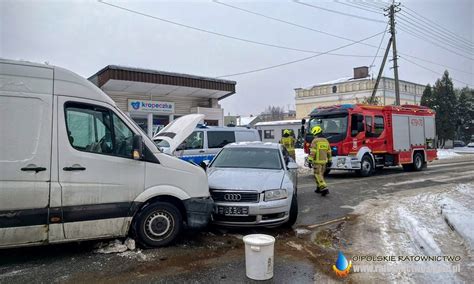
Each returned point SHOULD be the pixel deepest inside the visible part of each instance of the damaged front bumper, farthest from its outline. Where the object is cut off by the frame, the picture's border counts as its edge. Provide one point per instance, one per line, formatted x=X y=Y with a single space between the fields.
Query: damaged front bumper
x=198 y=211
x=340 y=163
x=345 y=163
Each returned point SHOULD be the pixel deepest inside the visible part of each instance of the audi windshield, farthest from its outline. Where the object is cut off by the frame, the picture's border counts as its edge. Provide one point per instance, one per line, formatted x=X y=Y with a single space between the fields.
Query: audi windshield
x=252 y=158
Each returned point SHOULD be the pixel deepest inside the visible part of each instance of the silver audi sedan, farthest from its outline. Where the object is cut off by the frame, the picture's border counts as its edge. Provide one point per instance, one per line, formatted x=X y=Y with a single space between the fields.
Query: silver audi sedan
x=253 y=184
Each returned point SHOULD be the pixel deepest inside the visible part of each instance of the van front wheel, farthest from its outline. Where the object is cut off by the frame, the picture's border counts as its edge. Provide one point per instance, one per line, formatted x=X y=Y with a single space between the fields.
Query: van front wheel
x=158 y=224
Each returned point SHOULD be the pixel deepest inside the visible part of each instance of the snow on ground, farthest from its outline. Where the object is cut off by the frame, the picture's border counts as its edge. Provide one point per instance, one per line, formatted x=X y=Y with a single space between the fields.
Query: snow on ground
x=447 y=154
x=464 y=150
x=124 y=249
x=458 y=213
x=300 y=157
x=437 y=220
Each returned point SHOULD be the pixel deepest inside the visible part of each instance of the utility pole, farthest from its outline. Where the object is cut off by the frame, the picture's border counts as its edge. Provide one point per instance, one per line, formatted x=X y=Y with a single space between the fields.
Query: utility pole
x=392 y=10
x=391 y=13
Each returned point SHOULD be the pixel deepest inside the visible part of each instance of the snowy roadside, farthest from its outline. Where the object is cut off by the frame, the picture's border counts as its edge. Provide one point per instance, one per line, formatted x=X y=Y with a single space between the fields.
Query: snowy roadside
x=447 y=154
x=431 y=221
x=126 y=249
x=454 y=153
x=300 y=157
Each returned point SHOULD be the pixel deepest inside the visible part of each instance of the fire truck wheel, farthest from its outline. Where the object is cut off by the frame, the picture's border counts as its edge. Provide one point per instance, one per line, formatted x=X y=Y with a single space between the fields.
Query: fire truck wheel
x=418 y=162
x=366 y=166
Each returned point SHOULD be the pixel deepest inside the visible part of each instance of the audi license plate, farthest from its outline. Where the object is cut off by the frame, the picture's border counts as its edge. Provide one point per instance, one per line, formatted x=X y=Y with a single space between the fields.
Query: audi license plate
x=233 y=210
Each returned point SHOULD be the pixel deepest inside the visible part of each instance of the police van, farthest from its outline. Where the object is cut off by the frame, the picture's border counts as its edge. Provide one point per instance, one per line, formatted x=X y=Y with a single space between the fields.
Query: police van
x=205 y=141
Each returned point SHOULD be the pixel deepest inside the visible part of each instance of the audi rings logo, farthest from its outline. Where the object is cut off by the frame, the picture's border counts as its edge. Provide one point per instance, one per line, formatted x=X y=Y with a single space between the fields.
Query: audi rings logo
x=232 y=197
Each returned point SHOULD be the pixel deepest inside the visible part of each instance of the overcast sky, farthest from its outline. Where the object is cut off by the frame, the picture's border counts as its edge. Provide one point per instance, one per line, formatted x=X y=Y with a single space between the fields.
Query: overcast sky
x=85 y=36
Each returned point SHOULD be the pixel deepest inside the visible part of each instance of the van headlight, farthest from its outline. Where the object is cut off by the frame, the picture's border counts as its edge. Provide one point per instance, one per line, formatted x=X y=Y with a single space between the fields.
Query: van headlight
x=275 y=194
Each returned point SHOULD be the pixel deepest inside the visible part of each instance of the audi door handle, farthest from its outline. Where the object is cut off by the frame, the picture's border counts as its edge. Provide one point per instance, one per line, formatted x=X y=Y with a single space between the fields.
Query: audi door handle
x=74 y=168
x=33 y=168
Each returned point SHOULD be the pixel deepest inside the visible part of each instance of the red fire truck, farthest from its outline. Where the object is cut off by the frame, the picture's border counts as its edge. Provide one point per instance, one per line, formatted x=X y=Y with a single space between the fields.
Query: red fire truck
x=366 y=137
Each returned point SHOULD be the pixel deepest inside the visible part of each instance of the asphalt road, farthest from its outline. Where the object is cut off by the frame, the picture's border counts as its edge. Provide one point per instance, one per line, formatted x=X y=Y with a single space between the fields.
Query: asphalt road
x=217 y=255
x=348 y=190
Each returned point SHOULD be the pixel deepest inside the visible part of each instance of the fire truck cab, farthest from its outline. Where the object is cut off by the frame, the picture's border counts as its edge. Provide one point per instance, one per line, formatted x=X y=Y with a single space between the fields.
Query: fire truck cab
x=366 y=137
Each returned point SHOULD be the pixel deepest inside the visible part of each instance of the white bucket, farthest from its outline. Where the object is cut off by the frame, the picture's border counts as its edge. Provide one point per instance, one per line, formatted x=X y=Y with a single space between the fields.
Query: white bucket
x=259 y=250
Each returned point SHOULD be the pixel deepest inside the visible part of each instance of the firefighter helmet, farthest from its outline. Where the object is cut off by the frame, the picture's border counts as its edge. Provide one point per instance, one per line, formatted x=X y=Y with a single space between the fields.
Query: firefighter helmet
x=287 y=131
x=316 y=130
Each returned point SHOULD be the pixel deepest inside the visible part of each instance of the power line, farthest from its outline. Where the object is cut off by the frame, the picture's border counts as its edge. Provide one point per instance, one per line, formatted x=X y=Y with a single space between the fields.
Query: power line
x=432 y=29
x=438 y=25
x=338 y=12
x=347 y=39
x=290 y=23
x=422 y=37
x=435 y=63
x=445 y=39
x=431 y=70
x=224 y=35
x=298 y=60
x=357 y=7
x=378 y=49
x=284 y=21
x=370 y=5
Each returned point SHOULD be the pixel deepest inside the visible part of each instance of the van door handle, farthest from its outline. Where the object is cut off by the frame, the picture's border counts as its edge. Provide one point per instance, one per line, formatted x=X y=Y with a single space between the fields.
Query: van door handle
x=74 y=168
x=33 y=168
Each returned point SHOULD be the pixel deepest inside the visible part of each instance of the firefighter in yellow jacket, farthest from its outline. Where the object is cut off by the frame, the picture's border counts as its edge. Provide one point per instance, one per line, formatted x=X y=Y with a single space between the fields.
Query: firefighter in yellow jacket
x=289 y=142
x=320 y=154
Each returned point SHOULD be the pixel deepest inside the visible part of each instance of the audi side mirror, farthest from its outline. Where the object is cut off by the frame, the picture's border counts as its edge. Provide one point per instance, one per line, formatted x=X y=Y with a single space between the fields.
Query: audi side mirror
x=292 y=166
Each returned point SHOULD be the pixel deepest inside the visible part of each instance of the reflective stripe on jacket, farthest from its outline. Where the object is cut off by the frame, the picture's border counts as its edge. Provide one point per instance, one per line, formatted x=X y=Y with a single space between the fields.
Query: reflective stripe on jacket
x=320 y=151
x=288 y=142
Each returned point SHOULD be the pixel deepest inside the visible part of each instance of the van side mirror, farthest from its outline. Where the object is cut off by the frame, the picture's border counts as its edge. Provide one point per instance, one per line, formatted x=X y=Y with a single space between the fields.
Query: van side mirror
x=137 y=147
x=204 y=164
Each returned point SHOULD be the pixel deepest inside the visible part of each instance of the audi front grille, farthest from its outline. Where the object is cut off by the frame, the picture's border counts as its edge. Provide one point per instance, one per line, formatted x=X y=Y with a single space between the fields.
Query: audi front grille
x=234 y=196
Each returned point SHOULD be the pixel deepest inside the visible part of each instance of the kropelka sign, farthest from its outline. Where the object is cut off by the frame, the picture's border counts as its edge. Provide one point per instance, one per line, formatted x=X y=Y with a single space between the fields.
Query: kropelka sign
x=150 y=106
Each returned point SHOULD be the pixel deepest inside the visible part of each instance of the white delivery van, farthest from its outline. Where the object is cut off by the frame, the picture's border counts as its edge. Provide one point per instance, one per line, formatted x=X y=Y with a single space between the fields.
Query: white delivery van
x=74 y=167
x=205 y=141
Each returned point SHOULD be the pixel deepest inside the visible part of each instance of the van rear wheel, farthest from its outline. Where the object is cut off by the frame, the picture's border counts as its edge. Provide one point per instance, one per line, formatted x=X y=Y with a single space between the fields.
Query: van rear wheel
x=158 y=224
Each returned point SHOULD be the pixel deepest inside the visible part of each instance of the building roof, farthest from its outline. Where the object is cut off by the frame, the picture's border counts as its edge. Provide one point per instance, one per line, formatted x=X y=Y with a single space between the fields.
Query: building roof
x=278 y=122
x=245 y=120
x=137 y=80
x=350 y=79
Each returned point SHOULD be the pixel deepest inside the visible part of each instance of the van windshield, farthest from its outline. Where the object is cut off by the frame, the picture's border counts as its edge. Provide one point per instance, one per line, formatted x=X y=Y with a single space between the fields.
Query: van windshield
x=254 y=158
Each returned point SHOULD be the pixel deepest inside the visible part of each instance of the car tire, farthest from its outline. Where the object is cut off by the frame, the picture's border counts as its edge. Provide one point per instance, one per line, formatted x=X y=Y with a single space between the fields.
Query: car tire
x=293 y=212
x=158 y=224
x=367 y=166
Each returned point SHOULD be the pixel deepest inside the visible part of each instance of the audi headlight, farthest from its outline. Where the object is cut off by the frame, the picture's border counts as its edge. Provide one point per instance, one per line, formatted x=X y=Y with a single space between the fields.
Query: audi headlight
x=275 y=194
